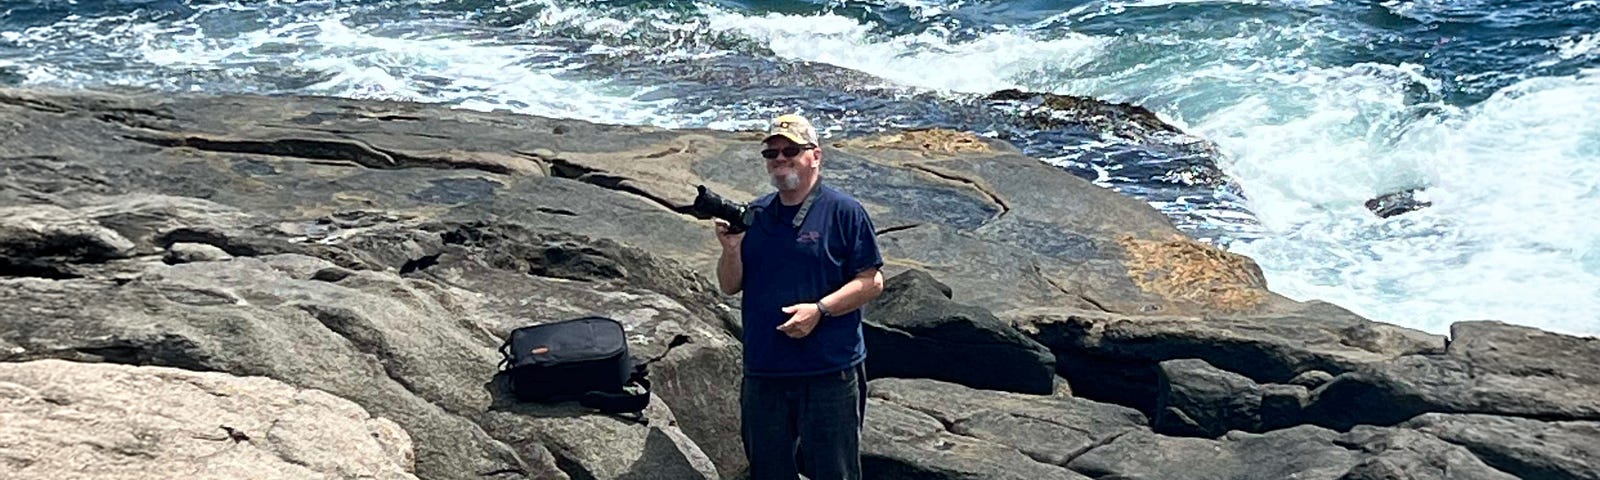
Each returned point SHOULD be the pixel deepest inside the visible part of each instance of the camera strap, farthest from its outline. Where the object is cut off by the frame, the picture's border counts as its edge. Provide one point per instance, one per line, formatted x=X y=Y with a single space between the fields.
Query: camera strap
x=805 y=206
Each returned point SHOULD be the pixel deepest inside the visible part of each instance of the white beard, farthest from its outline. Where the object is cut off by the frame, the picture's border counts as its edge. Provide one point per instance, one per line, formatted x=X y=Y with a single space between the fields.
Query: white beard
x=787 y=182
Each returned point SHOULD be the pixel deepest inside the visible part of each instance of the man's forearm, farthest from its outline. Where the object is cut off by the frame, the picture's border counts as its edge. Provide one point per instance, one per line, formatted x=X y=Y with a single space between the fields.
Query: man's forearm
x=855 y=293
x=730 y=272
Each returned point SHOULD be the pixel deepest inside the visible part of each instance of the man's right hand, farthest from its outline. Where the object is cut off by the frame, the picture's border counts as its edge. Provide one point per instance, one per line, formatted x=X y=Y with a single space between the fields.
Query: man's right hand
x=730 y=268
x=730 y=241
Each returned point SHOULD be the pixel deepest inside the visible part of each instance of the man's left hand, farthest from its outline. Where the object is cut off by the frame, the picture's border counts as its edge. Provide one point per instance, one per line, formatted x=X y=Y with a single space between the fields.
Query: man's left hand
x=802 y=318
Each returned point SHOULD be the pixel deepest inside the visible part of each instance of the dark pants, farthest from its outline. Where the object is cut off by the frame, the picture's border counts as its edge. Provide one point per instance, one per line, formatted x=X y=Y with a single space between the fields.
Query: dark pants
x=810 y=425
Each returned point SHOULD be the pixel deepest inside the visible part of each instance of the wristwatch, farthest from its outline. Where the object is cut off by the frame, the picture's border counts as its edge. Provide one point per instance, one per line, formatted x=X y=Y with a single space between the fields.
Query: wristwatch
x=824 y=309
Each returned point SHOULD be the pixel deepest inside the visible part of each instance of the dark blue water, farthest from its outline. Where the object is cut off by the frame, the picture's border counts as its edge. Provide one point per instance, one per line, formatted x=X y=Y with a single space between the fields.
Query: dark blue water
x=1477 y=46
x=1293 y=112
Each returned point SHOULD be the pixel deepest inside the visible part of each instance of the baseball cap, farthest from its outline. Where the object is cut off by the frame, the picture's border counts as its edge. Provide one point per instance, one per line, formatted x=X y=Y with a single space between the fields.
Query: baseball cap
x=793 y=127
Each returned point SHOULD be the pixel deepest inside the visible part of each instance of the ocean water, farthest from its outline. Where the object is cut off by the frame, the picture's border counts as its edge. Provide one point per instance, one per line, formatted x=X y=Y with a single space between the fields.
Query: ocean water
x=1491 y=108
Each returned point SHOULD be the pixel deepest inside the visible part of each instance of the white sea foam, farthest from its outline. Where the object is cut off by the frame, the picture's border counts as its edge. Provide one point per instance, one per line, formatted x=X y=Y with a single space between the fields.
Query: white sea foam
x=1510 y=236
x=929 y=60
x=1576 y=46
x=342 y=59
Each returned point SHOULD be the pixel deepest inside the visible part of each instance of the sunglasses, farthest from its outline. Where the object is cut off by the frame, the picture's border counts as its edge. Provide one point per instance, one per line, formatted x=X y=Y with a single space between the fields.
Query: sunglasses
x=789 y=151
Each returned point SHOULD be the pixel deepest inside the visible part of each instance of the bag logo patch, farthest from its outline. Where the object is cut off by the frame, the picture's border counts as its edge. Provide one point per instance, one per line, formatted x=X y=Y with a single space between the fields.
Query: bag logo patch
x=540 y=350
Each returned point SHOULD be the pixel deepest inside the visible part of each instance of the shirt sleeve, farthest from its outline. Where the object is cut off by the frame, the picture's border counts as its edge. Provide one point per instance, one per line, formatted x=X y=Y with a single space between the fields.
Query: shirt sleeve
x=863 y=240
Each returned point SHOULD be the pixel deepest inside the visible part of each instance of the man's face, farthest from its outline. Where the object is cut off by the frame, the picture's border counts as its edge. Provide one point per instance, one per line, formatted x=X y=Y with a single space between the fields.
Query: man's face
x=787 y=172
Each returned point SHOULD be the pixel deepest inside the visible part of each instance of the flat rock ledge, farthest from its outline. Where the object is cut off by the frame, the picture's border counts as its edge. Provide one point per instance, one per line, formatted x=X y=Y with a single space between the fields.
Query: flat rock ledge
x=75 y=420
x=231 y=286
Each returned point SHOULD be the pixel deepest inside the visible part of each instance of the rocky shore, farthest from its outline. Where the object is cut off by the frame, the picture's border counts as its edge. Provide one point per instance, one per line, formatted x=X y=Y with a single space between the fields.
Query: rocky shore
x=289 y=287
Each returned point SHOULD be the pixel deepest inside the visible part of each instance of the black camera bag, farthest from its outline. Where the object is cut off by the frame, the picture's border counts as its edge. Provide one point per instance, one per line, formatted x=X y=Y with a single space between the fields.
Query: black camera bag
x=584 y=359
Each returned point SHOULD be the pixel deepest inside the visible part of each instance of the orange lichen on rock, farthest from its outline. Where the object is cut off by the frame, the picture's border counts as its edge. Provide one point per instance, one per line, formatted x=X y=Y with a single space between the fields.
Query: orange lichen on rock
x=935 y=140
x=1183 y=269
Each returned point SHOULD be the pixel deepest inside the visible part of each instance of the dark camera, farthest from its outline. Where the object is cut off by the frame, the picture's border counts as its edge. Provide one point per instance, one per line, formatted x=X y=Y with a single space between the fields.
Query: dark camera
x=709 y=204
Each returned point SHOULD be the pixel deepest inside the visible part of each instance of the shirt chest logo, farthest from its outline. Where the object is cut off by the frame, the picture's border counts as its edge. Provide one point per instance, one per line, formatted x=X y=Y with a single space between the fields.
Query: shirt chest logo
x=808 y=237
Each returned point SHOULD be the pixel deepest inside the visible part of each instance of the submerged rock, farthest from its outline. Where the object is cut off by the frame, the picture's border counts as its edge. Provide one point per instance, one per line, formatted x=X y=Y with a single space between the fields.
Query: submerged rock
x=1391 y=204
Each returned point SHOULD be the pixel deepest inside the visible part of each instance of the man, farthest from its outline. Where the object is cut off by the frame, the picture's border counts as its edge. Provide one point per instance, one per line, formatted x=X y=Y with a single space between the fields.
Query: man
x=807 y=265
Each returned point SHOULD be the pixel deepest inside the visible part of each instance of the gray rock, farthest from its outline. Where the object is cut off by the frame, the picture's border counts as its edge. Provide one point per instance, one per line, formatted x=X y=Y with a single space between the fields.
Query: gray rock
x=46 y=241
x=601 y=447
x=155 y=221
x=1311 y=379
x=1489 y=367
x=1047 y=428
x=195 y=252
x=359 y=201
x=385 y=262
x=900 y=443
x=694 y=365
x=66 y=419
x=1123 y=119
x=1200 y=400
x=1011 y=232
x=1303 y=452
x=1043 y=249
x=913 y=330
x=1389 y=453
x=1527 y=448
x=1113 y=357
x=1282 y=405
x=419 y=352
x=376 y=341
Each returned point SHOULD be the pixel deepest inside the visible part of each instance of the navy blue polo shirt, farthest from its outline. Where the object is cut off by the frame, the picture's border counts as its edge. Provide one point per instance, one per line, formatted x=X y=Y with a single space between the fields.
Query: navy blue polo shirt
x=784 y=266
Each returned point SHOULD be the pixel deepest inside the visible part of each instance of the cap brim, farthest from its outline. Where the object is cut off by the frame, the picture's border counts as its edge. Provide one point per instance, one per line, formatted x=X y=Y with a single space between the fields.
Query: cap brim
x=792 y=137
